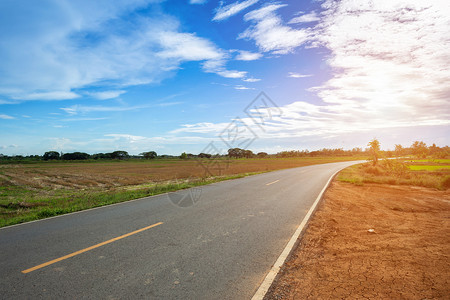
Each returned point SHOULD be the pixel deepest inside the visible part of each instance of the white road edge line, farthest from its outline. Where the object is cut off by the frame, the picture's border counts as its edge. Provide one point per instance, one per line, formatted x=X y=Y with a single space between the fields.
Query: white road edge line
x=265 y=285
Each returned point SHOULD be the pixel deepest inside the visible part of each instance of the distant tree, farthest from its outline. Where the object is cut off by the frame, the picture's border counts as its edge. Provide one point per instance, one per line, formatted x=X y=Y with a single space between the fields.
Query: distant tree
x=248 y=154
x=149 y=155
x=374 y=150
x=399 y=150
x=184 y=155
x=120 y=155
x=262 y=154
x=204 y=155
x=75 y=156
x=102 y=156
x=49 y=155
x=239 y=153
x=419 y=149
x=433 y=149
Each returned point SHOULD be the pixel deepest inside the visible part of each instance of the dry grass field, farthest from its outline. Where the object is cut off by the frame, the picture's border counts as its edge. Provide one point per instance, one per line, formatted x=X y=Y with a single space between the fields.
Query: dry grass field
x=38 y=190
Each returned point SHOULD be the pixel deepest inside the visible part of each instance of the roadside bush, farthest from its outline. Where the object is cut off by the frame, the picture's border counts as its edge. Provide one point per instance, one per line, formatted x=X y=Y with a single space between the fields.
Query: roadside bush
x=374 y=170
x=395 y=167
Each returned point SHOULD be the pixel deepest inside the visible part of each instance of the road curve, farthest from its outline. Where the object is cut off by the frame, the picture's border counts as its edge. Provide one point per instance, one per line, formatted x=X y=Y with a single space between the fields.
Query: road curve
x=220 y=248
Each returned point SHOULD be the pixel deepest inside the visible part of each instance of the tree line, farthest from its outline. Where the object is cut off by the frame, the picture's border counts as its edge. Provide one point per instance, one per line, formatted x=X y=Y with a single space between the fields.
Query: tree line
x=418 y=149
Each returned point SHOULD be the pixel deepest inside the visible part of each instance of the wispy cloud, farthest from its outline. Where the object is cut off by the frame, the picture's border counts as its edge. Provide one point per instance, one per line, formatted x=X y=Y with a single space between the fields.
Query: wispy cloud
x=9 y=146
x=269 y=32
x=297 y=75
x=247 y=56
x=241 y=87
x=225 y=12
x=58 y=56
x=251 y=79
x=6 y=117
x=82 y=109
x=52 y=95
x=391 y=61
x=8 y=102
x=306 y=18
x=81 y=120
x=197 y=1
x=390 y=65
x=105 y=95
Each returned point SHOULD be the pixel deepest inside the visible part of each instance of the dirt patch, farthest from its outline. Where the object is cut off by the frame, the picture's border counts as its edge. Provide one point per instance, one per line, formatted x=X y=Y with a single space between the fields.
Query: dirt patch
x=372 y=242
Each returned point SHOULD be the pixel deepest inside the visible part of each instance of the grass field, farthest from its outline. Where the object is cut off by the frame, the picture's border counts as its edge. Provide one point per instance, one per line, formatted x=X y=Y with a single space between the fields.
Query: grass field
x=426 y=173
x=39 y=190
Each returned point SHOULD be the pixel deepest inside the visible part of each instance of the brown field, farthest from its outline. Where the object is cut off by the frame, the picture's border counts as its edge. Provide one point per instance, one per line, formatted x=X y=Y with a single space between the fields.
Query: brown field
x=372 y=241
x=107 y=175
x=38 y=190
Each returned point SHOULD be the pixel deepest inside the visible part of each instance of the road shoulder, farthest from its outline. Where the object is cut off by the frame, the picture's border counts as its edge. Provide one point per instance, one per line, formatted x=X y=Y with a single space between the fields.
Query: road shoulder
x=372 y=241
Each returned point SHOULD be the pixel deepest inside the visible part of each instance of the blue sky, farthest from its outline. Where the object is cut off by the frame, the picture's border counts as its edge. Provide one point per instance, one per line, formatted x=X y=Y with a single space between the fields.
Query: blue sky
x=171 y=76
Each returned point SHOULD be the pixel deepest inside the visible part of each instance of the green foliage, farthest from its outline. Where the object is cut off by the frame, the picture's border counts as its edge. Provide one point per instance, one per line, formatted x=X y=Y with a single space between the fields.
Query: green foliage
x=419 y=149
x=204 y=155
x=398 y=172
x=149 y=155
x=184 y=155
x=374 y=150
x=399 y=150
x=240 y=153
x=262 y=154
x=50 y=155
x=120 y=155
x=75 y=156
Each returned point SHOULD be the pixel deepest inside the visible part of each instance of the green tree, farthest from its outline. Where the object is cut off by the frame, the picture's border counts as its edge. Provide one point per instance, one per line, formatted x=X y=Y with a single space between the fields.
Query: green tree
x=419 y=149
x=399 y=150
x=183 y=155
x=75 y=156
x=374 y=150
x=149 y=155
x=120 y=155
x=51 y=155
x=262 y=154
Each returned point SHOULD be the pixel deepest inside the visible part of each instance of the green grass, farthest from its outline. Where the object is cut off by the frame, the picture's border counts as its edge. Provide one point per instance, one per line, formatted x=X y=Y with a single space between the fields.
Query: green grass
x=398 y=172
x=428 y=168
x=27 y=207
x=439 y=161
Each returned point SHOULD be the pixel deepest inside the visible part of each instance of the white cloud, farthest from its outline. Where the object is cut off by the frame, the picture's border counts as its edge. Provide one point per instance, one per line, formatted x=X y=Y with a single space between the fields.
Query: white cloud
x=225 y=12
x=6 y=117
x=197 y=1
x=391 y=61
x=82 y=109
x=187 y=47
x=130 y=138
x=306 y=18
x=8 y=102
x=247 y=56
x=241 y=87
x=391 y=69
x=107 y=94
x=51 y=55
x=232 y=74
x=9 y=146
x=251 y=79
x=269 y=33
x=297 y=75
x=53 y=95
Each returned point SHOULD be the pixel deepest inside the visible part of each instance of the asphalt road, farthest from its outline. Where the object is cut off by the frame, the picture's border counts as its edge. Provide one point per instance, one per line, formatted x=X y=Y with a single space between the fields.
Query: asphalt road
x=220 y=248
